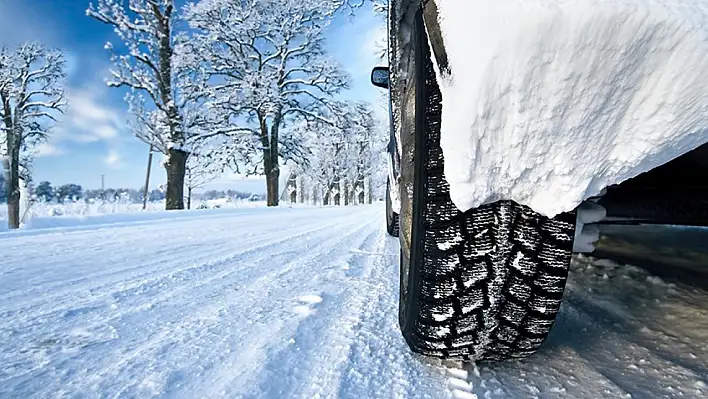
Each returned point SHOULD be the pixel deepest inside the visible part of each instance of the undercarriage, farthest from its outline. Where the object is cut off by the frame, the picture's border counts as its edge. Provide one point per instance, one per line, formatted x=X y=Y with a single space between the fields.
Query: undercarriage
x=674 y=193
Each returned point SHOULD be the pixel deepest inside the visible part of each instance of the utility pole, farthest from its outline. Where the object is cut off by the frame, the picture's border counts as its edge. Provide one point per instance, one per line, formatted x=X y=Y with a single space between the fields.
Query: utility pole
x=147 y=178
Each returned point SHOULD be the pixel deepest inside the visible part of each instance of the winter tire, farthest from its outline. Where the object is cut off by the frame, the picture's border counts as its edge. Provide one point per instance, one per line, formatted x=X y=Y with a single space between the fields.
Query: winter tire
x=485 y=284
x=391 y=216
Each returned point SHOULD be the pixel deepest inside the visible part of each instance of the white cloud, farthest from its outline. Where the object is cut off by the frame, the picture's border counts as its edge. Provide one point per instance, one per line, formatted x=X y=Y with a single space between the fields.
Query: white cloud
x=366 y=36
x=113 y=159
x=89 y=109
x=374 y=45
x=371 y=51
x=87 y=119
x=105 y=132
x=48 y=150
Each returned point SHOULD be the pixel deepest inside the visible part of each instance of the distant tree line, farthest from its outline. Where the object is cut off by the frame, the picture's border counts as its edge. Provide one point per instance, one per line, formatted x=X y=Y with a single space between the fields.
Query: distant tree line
x=46 y=192
x=216 y=194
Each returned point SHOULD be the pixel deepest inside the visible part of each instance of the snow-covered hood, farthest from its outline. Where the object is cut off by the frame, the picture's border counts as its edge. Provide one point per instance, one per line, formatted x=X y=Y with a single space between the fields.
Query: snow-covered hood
x=550 y=101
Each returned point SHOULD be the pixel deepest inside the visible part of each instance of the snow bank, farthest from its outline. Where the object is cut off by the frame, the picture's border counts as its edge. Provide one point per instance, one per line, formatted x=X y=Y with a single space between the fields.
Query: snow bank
x=551 y=101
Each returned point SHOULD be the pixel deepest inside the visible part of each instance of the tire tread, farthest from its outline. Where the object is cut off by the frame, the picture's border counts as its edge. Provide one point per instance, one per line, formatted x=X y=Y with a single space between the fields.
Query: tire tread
x=491 y=279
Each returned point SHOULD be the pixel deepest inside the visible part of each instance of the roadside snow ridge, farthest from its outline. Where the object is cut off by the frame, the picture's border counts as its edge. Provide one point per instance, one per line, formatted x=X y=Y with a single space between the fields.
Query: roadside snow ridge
x=548 y=102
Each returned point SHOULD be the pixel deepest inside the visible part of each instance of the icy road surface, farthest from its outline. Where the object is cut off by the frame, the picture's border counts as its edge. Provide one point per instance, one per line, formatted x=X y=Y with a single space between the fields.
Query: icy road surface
x=302 y=303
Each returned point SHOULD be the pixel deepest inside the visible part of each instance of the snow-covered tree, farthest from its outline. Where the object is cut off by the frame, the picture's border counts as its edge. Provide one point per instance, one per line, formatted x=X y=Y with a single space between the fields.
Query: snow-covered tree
x=381 y=7
x=344 y=158
x=32 y=94
x=201 y=170
x=268 y=69
x=147 y=61
x=368 y=143
x=45 y=191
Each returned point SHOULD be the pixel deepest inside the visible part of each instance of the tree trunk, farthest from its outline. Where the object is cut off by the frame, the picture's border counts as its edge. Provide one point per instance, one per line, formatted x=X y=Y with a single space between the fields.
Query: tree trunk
x=13 y=211
x=11 y=163
x=337 y=195
x=292 y=188
x=275 y=159
x=345 y=191
x=176 y=167
x=271 y=166
x=368 y=191
x=358 y=192
x=12 y=167
x=300 y=190
x=295 y=190
x=272 y=177
x=13 y=194
x=189 y=198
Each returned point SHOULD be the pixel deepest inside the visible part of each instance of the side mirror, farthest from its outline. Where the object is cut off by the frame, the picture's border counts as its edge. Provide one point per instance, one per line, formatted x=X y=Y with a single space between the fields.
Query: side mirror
x=379 y=77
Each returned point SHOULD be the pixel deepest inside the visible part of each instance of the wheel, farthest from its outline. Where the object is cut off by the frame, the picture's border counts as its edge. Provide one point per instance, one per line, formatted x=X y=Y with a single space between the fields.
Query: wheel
x=485 y=284
x=391 y=216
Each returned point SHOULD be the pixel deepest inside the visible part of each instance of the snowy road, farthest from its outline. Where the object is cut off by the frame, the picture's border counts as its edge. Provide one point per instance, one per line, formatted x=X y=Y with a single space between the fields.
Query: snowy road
x=672 y=252
x=302 y=303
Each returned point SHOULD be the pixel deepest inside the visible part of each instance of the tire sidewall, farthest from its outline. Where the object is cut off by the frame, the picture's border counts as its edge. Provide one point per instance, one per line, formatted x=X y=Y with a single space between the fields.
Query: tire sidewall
x=413 y=135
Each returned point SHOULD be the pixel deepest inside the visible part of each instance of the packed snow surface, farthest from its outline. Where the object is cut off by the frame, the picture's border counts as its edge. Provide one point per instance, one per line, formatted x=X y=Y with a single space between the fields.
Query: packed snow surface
x=550 y=101
x=302 y=303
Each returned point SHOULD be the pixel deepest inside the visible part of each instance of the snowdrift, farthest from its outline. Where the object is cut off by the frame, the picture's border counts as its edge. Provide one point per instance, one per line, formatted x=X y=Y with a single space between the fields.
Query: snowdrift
x=548 y=102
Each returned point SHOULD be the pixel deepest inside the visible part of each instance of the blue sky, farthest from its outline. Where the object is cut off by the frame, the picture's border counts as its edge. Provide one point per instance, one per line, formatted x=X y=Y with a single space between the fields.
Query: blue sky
x=93 y=139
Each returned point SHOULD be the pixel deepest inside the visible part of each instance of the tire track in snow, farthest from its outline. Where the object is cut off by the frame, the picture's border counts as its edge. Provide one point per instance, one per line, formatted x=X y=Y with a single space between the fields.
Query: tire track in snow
x=312 y=368
x=158 y=290
x=176 y=250
x=378 y=362
x=636 y=335
x=154 y=277
x=640 y=370
x=197 y=327
x=320 y=280
x=600 y=345
x=325 y=232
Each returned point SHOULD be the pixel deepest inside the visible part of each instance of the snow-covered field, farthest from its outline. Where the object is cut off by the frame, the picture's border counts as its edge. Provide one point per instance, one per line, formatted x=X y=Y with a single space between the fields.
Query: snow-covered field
x=302 y=303
x=50 y=215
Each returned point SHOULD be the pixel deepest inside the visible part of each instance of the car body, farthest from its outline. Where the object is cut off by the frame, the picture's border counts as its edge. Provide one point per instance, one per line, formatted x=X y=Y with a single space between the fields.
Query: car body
x=440 y=242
